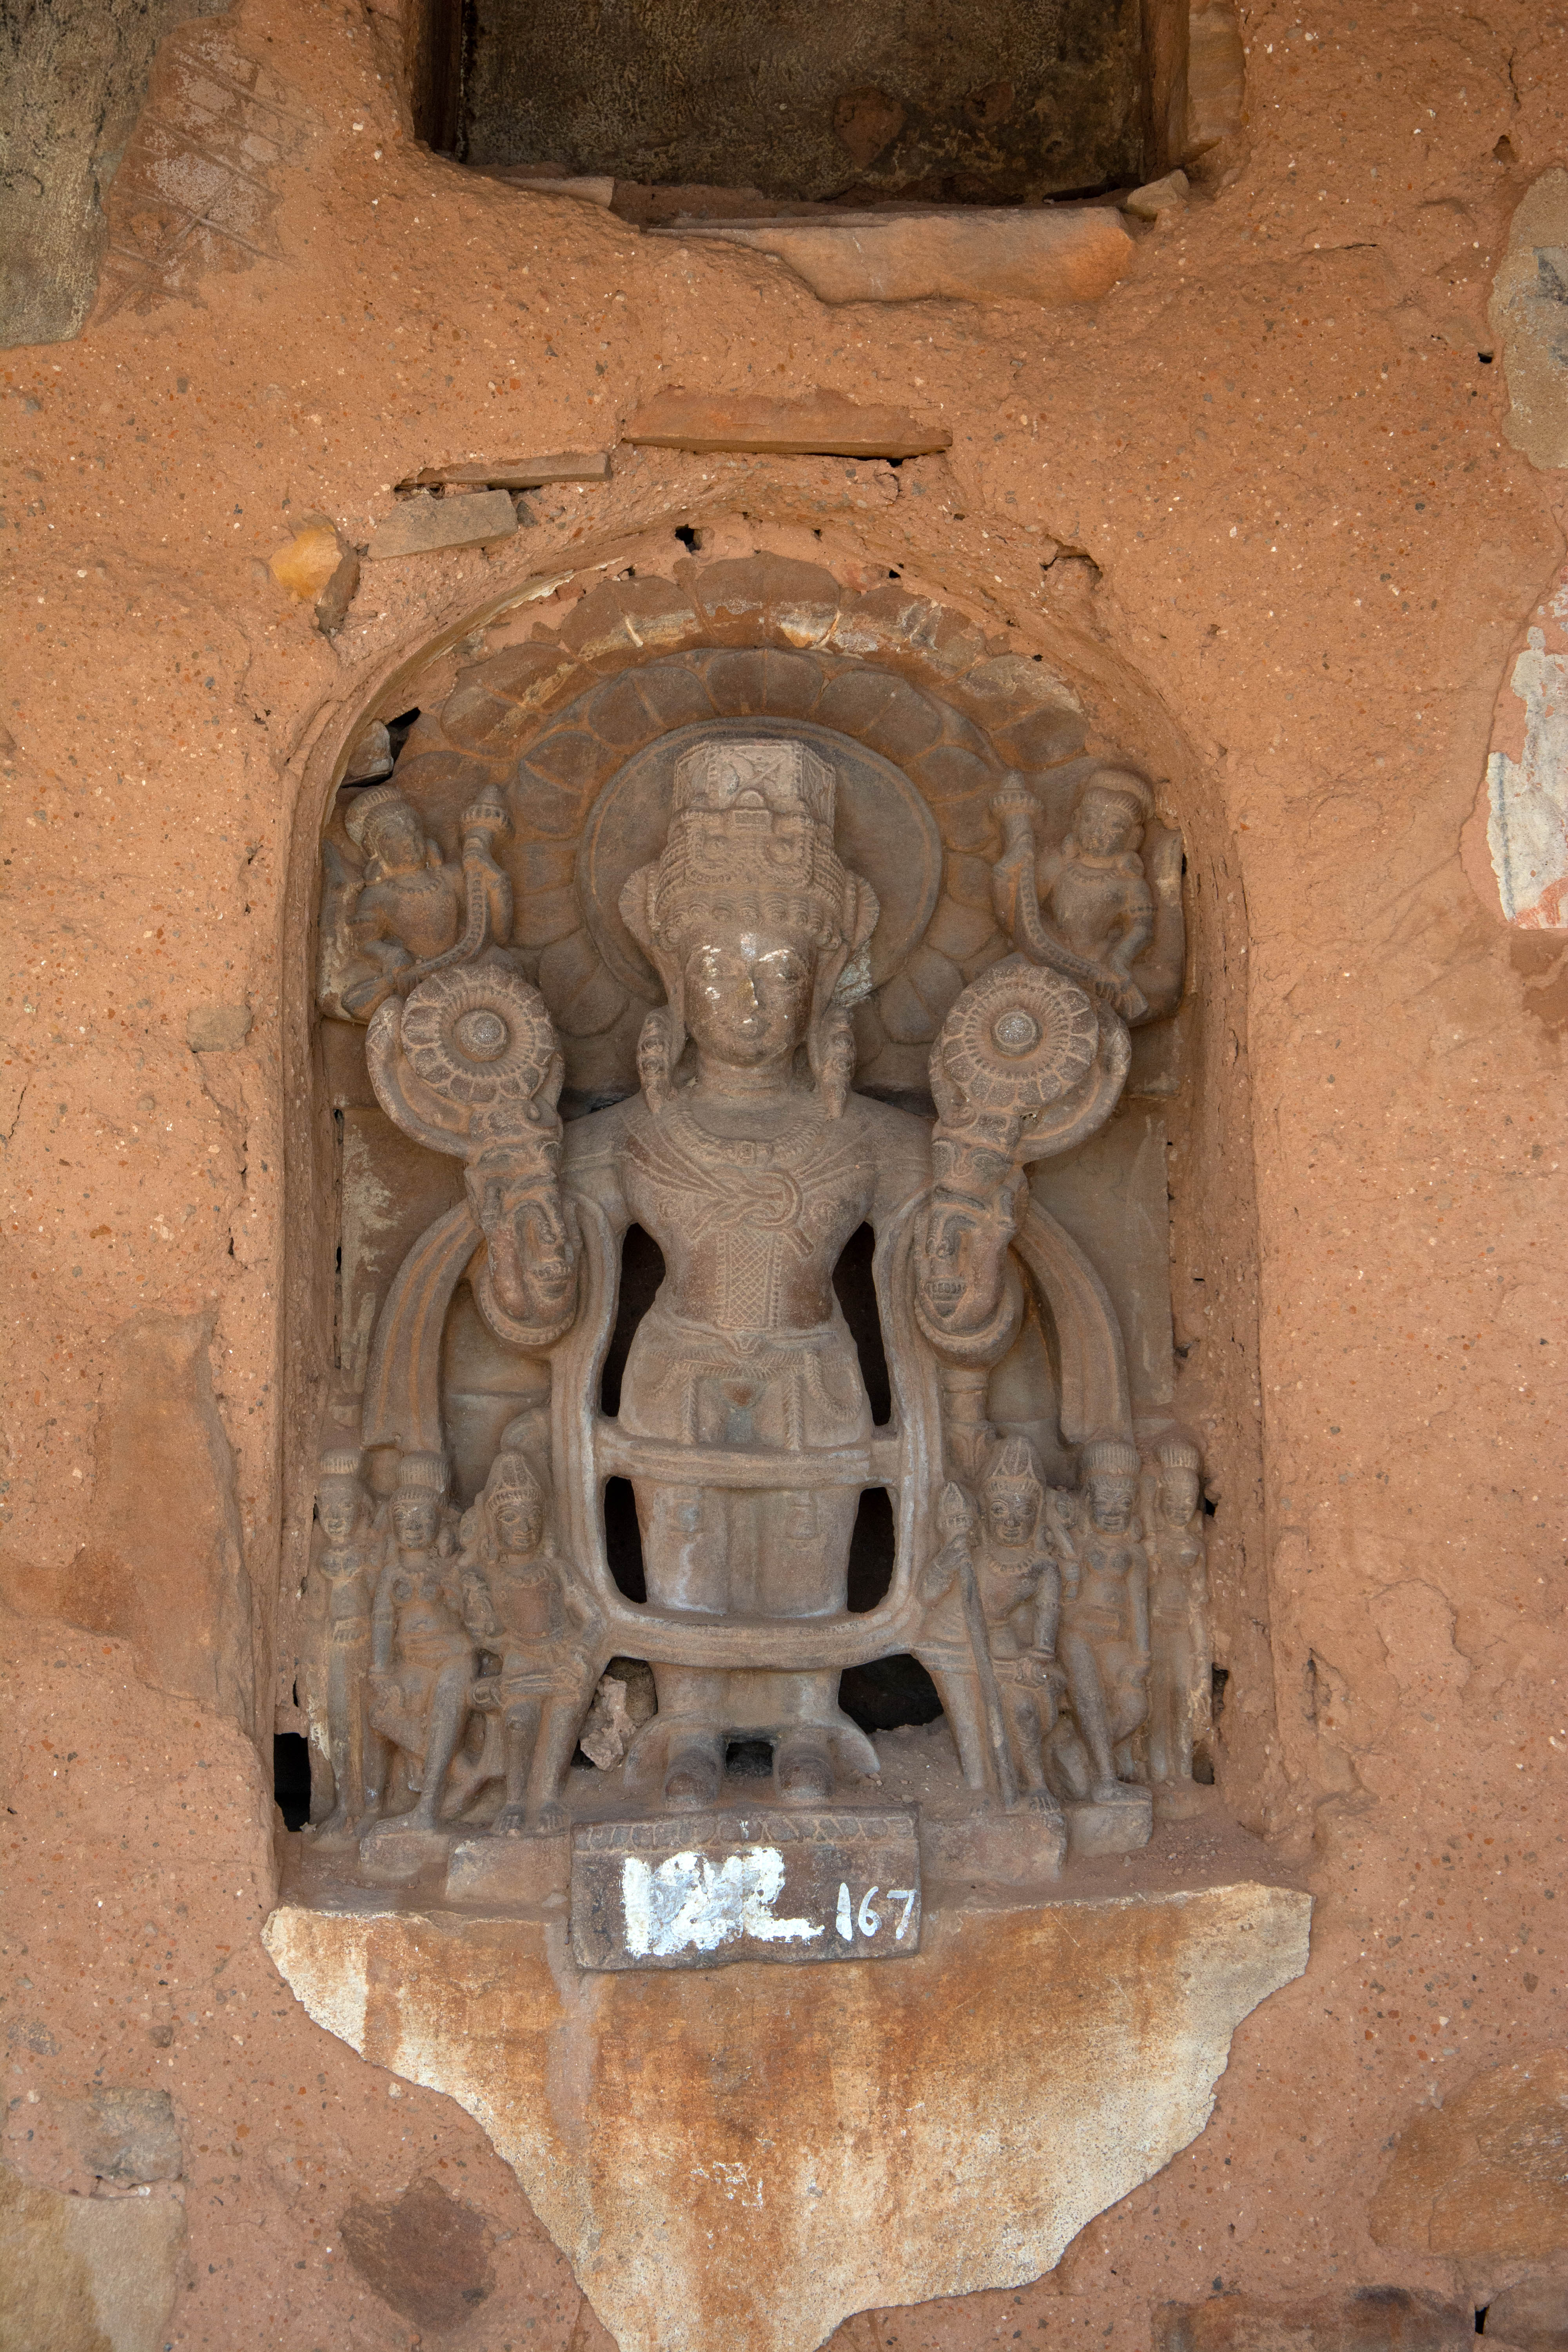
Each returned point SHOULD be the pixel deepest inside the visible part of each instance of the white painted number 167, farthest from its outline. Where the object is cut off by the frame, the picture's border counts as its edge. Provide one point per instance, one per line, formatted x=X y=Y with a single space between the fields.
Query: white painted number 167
x=868 y=1921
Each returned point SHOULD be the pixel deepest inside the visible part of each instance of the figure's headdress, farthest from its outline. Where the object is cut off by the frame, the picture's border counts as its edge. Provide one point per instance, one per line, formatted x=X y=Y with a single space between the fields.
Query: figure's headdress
x=751 y=845
x=751 y=833
x=1014 y=1463
x=371 y=803
x=339 y=1462
x=422 y=1473
x=1109 y=1458
x=1178 y=1453
x=510 y=1474
x=1122 y=785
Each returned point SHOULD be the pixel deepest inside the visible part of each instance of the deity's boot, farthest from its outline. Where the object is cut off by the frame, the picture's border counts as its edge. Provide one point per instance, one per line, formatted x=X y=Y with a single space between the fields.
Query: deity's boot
x=802 y=1768
x=694 y=1772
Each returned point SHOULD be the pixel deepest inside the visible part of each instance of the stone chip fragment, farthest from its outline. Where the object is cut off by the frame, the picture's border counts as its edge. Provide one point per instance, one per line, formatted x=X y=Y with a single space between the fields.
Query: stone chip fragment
x=319 y=567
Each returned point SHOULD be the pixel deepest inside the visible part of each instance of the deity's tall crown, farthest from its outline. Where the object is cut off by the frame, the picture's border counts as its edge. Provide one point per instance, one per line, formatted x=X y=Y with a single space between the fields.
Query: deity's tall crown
x=750 y=835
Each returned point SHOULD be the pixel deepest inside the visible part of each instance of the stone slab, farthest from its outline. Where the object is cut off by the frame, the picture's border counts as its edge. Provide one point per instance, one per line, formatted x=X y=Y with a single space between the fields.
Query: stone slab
x=392 y=1853
x=744 y=2156
x=819 y=425
x=1038 y=254
x=518 y=473
x=509 y=1869
x=764 y=1884
x=425 y=526
x=1021 y=1850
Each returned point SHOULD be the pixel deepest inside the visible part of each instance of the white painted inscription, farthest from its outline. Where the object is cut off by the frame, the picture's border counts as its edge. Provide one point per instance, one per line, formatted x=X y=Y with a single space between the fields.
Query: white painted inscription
x=788 y=1884
x=689 y=1902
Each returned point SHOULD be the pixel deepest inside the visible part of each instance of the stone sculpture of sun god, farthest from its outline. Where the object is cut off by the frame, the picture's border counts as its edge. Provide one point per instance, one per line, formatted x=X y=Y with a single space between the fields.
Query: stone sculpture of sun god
x=647 y=1300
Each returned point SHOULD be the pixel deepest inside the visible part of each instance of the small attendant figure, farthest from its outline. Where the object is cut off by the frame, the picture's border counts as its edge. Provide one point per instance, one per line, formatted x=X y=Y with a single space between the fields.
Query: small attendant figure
x=1103 y=1640
x=346 y=1563
x=519 y=1606
x=1090 y=910
x=423 y=1661
x=1178 y=1593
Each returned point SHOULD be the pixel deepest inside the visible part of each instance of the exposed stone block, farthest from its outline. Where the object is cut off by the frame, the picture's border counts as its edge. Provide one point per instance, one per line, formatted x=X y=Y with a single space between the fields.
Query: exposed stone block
x=822 y=424
x=1533 y=2314
x=422 y=2253
x=1483 y=2175
x=1166 y=195
x=516 y=473
x=1372 y=2319
x=1117 y=2079
x=319 y=567
x=425 y=526
x=218 y=1028
x=1527 y=302
x=1040 y=254
x=86 y=2274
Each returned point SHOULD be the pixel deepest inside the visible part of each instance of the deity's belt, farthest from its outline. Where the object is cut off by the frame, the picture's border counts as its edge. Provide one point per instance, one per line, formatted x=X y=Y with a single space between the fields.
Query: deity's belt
x=741 y=1340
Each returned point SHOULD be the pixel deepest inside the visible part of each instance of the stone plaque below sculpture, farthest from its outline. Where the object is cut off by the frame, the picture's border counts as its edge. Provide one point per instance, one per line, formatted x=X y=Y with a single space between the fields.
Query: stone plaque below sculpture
x=746 y=1885
x=872 y=2136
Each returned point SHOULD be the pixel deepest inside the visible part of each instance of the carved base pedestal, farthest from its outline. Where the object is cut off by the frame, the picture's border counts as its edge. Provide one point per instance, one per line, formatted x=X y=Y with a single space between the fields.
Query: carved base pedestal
x=746 y=2155
x=1121 y=1827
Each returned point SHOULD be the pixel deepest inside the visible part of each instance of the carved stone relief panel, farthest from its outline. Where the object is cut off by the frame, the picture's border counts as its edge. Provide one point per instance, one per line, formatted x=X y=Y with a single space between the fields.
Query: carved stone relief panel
x=750 y=1515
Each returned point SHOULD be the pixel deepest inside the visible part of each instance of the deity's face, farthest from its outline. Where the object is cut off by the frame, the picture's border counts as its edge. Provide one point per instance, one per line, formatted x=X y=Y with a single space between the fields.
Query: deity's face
x=1106 y=822
x=748 y=998
x=415 y=1520
x=396 y=838
x=337 y=1509
x=1110 y=1501
x=1012 y=1511
x=1178 y=1496
x=517 y=1519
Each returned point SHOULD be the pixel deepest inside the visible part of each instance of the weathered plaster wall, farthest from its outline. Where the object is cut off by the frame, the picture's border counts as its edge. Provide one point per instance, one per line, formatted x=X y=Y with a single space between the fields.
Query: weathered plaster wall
x=1278 y=476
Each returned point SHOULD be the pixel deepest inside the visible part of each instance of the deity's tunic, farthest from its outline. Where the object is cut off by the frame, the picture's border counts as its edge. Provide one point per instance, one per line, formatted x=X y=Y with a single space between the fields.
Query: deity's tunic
x=745 y=1345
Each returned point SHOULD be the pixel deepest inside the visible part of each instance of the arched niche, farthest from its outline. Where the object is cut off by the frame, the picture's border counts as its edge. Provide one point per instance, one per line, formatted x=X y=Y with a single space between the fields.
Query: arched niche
x=926 y=714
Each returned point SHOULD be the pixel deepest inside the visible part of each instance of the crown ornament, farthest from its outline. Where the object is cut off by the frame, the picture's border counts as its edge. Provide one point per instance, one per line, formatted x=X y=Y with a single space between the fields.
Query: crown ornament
x=750 y=837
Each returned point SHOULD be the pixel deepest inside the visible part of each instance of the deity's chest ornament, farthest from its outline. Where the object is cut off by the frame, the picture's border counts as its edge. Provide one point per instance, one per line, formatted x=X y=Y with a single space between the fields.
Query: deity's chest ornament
x=741 y=1532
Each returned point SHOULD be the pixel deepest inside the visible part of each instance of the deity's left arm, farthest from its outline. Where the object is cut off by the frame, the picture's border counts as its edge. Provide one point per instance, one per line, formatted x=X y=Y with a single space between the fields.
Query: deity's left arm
x=1161 y=970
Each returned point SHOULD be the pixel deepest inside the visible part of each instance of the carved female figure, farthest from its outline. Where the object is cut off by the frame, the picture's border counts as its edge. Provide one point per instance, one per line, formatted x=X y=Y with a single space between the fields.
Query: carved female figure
x=1177 y=1594
x=346 y=1562
x=1104 y=1636
x=1090 y=908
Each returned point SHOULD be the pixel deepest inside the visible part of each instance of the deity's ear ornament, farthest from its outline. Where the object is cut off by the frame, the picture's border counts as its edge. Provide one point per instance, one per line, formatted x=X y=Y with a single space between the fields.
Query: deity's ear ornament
x=1025 y=1065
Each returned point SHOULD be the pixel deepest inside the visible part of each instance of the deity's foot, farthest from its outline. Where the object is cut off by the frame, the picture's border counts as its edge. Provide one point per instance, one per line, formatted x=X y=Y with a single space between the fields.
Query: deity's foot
x=511 y=1822
x=406 y=1824
x=1040 y=1800
x=1120 y=1792
x=694 y=1773
x=339 y=1833
x=802 y=1772
x=549 y=1820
